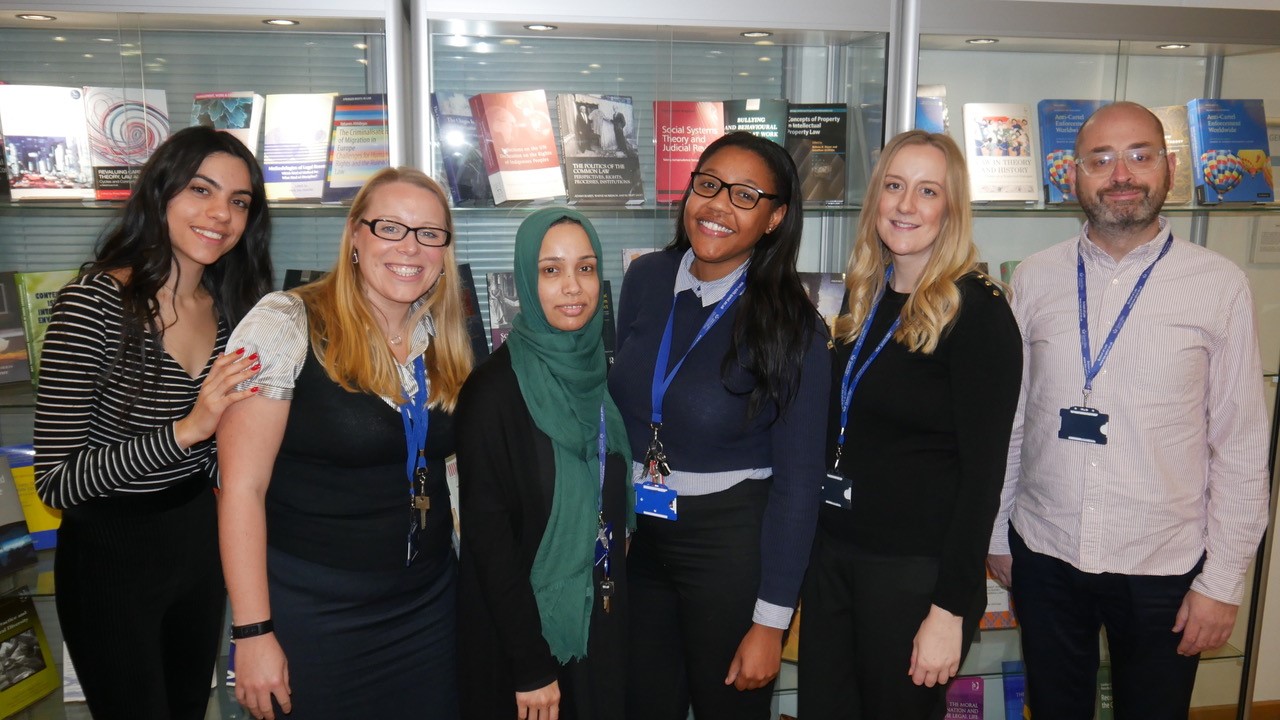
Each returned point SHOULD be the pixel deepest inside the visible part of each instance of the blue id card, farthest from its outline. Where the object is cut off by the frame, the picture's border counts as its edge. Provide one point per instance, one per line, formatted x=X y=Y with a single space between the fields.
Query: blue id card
x=655 y=500
x=1083 y=424
x=837 y=490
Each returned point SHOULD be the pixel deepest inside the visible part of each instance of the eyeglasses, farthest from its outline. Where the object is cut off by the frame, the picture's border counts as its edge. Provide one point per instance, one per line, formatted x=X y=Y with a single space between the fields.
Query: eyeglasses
x=391 y=230
x=742 y=196
x=1139 y=161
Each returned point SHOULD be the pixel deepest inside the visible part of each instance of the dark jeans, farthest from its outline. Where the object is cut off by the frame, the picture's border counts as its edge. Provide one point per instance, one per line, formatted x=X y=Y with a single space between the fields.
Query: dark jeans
x=1060 y=610
x=693 y=591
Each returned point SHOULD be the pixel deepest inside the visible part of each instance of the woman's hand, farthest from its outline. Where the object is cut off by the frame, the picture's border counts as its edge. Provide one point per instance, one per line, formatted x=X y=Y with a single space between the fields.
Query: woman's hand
x=217 y=393
x=758 y=659
x=540 y=704
x=261 y=672
x=935 y=651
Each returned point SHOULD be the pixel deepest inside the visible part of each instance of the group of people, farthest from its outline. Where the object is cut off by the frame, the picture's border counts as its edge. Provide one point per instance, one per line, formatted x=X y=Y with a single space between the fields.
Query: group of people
x=635 y=540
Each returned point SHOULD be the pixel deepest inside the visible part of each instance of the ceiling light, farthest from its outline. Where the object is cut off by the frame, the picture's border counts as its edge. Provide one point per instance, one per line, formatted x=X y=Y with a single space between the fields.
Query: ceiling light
x=1173 y=46
x=756 y=34
x=36 y=18
x=541 y=27
x=982 y=41
x=280 y=21
x=509 y=41
x=763 y=43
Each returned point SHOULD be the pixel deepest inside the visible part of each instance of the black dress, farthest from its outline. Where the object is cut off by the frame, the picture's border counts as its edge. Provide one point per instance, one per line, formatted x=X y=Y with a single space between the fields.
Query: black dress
x=506 y=478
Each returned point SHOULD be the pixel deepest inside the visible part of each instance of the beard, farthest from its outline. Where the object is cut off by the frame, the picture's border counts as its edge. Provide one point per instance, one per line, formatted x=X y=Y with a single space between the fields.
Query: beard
x=1120 y=218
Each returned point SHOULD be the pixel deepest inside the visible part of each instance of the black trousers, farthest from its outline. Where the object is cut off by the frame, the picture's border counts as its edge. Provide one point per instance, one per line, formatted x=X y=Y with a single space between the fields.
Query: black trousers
x=860 y=614
x=1061 y=609
x=140 y=600
x=693 y=591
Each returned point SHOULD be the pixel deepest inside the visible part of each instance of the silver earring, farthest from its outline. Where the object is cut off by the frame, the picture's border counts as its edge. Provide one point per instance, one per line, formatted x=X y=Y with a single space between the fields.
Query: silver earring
x=355 y=256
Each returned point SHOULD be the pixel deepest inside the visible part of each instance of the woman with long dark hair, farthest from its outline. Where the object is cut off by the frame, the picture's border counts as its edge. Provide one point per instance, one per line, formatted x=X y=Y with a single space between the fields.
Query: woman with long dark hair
x=335 y=521
x=543 y=474
x=133 y=382
x=926 y=377
x=722 y=375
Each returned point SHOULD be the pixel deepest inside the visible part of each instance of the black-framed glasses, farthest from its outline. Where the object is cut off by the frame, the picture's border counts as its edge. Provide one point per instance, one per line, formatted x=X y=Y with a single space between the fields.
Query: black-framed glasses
x=426 y=235
x=1139 y=161
x=740 y=195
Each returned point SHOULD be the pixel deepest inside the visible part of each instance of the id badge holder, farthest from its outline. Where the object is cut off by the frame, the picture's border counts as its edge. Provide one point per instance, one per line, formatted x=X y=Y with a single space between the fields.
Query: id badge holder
x=604 y=538
x=655 y=500
x=411 y=546
x=837 y=490
x=1083 y=424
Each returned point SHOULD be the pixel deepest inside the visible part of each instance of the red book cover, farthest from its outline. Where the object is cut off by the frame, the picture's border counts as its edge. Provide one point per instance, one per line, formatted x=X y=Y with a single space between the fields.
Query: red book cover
x=682 y=130
x=518 y=143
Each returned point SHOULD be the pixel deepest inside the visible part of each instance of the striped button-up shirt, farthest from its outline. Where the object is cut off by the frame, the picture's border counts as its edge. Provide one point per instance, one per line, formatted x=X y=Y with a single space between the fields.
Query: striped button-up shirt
x=1184 y=470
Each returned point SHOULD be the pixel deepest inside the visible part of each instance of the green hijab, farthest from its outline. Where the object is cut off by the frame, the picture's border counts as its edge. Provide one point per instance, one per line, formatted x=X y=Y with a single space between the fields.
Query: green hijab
x=562 y=380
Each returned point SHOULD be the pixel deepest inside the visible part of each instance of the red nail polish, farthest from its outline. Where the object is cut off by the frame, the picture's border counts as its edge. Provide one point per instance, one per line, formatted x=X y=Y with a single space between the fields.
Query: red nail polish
x=240 y=351
x=253 y=356
x=256 y=367
x=253 y=389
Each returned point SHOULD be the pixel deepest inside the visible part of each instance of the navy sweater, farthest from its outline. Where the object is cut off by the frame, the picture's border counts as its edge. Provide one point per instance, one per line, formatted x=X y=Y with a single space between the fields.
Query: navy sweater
x=705 y=425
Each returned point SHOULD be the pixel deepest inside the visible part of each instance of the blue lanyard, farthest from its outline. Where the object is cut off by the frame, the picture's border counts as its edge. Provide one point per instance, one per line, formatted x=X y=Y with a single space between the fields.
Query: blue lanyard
x=849 y=382
x=1092 y=368
x=662 y=380
x=600 y=501
x=415 y=416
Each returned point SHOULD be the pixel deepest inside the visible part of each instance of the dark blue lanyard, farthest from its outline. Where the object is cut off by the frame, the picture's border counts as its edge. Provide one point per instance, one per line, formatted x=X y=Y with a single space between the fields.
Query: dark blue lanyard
x=415 y=416
x=849 y=382
x=600 y=502
x=1092 y=368
x=662 y=380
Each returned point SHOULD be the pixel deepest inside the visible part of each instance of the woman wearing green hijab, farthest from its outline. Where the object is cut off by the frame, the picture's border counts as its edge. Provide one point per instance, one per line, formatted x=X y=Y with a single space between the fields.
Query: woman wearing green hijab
x=542 y=583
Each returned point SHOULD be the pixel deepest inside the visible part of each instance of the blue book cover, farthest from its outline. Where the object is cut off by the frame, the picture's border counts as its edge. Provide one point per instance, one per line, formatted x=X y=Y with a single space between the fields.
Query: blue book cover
x=1230 y=151
x=1015 y=690
x=1060 y=122
x=459 y=142
x=931 y=114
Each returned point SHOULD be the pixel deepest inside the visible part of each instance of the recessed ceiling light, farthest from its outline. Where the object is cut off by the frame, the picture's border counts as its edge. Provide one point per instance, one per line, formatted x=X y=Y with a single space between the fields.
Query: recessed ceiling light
x=1173 y=46
x=36 y=18
x=280 y=21
x=361 y=46
x=982 y=41
x=756 y=34
x=541 y=27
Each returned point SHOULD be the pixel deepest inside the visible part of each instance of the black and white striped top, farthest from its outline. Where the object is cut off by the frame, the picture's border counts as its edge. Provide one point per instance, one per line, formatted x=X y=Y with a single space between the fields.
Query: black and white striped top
x=91 y=440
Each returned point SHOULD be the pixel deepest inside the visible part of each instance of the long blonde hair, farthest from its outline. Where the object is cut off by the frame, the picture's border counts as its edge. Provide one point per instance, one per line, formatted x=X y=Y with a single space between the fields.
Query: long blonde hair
x=344 y=334
x=935 y=302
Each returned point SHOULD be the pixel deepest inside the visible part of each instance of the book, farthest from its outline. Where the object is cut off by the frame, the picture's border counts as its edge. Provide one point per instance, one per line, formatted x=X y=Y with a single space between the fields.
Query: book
x=358 y=145
x=42 y=520
x=931 y=109
x=17 y=549
x=999 y=148
x=46 y=143
x=125 y=126
x=682 y=129
x=1105 y=707
x=827 y=292
x=763 y=117
x=1015 y=690
x=295 y=145
x=27 y=669
x=601 y=163
x=238 y=112
x=1177 y=140
x=294 y=277
x=609 y=332
x=503 y=305
x=518 y=145
x=1060 y=122
x=72 y=691
x=818 y=142
x=14 y=365
x=36 y=293
x=999 y=612
x=475 y=322
x=1230 y=151
x=965 y=699
x=791 y=645
x=460 y=148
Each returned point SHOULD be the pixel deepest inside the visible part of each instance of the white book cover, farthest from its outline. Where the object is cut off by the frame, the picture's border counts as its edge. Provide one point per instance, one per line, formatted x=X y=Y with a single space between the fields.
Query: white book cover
x=125 y=126
x=518 y=143
x=45 y=143
x=238 y=112
x=1000 y=148
x=295 y=145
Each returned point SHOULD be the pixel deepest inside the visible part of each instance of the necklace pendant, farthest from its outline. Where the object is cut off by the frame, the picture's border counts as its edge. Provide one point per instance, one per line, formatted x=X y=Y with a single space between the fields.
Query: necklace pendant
x=395 y=339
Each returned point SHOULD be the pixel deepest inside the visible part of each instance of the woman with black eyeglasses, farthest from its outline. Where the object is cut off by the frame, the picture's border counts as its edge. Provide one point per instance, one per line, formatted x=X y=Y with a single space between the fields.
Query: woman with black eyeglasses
x=334 y=514
x=722 y=375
